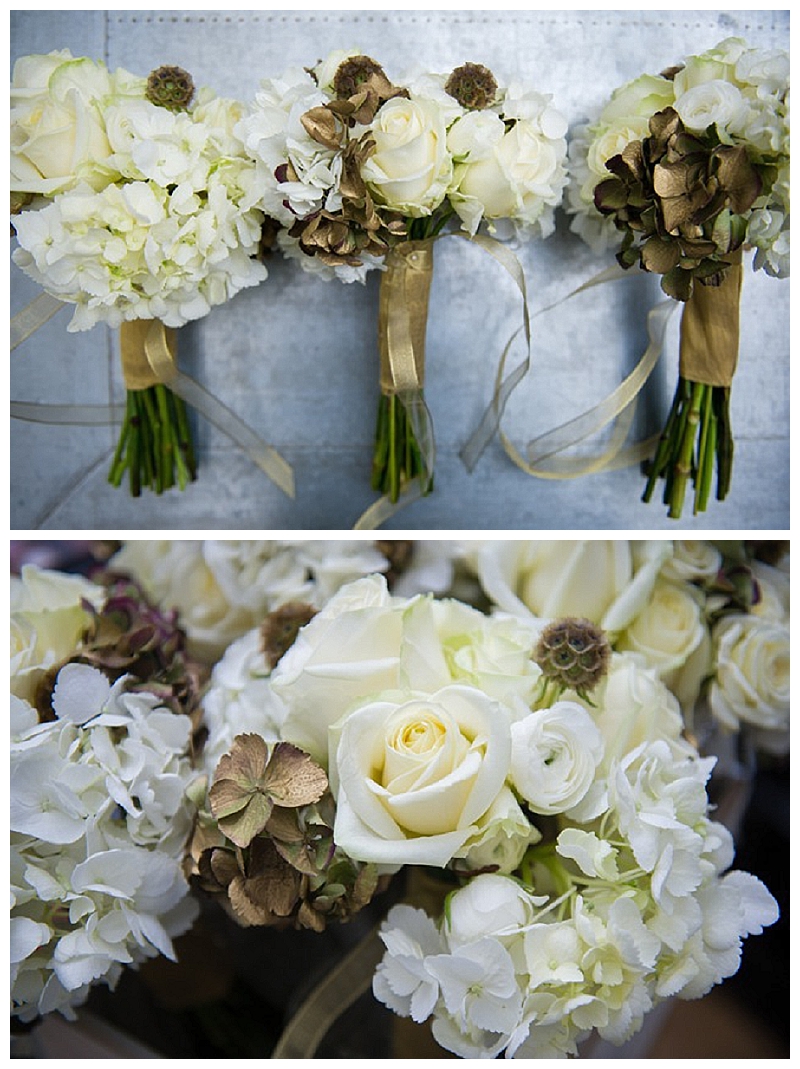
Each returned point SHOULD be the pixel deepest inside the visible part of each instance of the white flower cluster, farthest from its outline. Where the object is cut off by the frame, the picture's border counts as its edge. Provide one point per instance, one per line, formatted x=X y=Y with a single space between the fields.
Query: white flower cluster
x=425 y=714
x=744 y=92
x=504 y=162
x=99 y=819
x=153 y=212
x=613 y=917
x=660 y=600
x=222 y=589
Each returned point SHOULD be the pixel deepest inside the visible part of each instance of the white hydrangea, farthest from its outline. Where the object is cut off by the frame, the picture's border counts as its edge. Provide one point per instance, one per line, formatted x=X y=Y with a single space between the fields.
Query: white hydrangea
x=99 y=819
x=224 y=588
x=177 y=231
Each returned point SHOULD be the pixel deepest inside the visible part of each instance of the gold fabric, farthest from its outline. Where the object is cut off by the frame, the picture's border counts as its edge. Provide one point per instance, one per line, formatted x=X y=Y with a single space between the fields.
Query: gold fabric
x=710 y=330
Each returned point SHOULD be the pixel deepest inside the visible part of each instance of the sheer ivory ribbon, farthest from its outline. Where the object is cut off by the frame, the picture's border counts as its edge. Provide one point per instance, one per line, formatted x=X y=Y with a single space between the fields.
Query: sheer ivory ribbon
x=154 y=363
x=343 y=986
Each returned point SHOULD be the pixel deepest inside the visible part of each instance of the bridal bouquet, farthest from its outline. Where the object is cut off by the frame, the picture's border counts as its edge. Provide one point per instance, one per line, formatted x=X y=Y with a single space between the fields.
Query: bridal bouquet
x=360 y=173
x=133 y=200
x=543 y=777
x=689 y=168
x=104 y=705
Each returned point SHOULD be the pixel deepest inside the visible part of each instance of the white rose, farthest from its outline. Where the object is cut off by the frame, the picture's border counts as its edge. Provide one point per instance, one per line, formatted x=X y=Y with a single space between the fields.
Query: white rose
x=773 y=593
x=488 y=905
x=634 y=707
x=410 y=169
x=640 y=98
x=412 y=776
x=47 y=621
x=58 y=135
x=700 y=70
x=607 y=582
x=712 y=103
x=349 y=652
x=752 y=678
x=672 y=636
x=523 y=174
x=554 y=757
x=693 y=561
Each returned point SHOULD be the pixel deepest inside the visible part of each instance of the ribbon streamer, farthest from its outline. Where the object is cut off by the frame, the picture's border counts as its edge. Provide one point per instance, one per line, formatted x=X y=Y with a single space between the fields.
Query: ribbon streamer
x=147 y=351
x=343 y=986
x=33 y=316
x=162 y=362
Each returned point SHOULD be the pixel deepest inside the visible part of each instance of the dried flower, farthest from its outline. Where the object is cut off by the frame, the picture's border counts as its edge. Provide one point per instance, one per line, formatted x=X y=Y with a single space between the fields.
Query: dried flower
x=472 y=85
x=680 y=199
x=281 y=628
x=250 y=781
x=573 y=654
x=170 y=87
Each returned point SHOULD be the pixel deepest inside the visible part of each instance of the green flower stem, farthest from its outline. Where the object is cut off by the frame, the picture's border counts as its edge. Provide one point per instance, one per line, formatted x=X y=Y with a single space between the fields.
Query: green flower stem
x=155 y=444
x=696 y=439
x=397 y=458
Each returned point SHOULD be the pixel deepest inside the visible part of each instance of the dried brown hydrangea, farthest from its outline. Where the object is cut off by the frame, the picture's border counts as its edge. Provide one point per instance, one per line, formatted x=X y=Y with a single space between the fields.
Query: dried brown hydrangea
x=281 y=627
x=680 y=199
x=573 y=654
x=267 y=845
x=170 y=87
x=472 y=85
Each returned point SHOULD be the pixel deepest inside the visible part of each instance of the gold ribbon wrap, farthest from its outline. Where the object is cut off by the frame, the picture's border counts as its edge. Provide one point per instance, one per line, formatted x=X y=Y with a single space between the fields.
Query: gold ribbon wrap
x=710 y=329
x=403 y=316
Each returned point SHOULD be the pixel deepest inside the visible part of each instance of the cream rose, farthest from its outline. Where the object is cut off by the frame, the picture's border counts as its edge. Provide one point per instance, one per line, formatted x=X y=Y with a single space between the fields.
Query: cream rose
x=48 y=618
x=752 y=679
x=712 y=103
x=634 y=707
x=640 y=98
x=413 y=775
x=608 y=582
x=410 y=169
x=693 y=561
x=58 y=134
x=672 y=636
x=554 y=757
x=522 y=173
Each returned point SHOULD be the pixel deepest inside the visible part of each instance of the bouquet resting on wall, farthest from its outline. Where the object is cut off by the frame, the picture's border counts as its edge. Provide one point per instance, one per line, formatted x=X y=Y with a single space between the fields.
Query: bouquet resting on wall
x=525 y=732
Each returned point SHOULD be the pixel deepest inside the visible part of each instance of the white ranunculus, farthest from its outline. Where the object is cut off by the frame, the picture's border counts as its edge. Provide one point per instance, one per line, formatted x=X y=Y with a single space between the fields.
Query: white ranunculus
x=47 y=620
x=711 y=103
x=751 y=684
x=489 y=905
x=504 y=834
x=410 y=169
x=413 y=775
x=58 y=134
x=554 y=757
x=608 y=582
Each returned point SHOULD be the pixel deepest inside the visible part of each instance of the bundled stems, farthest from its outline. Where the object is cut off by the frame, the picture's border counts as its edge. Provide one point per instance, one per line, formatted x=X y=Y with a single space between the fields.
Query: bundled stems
x=155 y=443
x=696 y=438
x=397 y=458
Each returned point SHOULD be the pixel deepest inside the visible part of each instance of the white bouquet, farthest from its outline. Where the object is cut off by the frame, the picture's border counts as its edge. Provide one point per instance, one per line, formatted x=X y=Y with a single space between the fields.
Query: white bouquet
x=555 y=795
x=103 y=709
x=135 y=202
x=360 y=173
x=688 y=168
